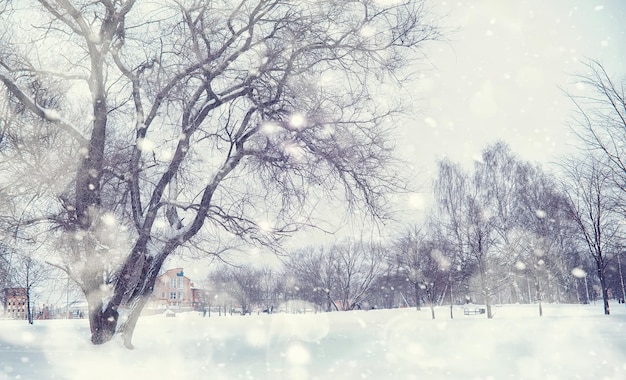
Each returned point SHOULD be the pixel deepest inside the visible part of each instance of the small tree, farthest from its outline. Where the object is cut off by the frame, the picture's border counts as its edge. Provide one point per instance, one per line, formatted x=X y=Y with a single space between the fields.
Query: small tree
x=356 y=266
x=30 y=273
x=242 y=285
x=426 y=266
x=312 y=271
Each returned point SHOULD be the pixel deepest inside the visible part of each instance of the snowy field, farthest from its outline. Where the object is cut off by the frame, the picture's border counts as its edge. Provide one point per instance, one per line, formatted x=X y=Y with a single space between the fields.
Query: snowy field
x=568 y=342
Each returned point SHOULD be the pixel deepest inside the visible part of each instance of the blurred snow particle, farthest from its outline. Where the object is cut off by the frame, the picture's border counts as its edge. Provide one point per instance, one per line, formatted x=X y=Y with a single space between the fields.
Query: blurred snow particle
x=604 y=43
x=327 y=131
x=540 y=214
x=442 y=261
x=268 y=128
x=598 y=8
x=293 y=149
x=166 y=154
x=108 y=219
x=28 y=337
x=489 y=33
x=298 y=354
x=265 y=226
x=417 y=201
x=145 y=145
x=160 y=223
x=256 y=337
x=520 y=265
x=52 y=115
x=483 y=102
x=430 y=122
x=83 y=151
x=297 y=121
x=478 y=158
x=579 y=273
x=367 y=31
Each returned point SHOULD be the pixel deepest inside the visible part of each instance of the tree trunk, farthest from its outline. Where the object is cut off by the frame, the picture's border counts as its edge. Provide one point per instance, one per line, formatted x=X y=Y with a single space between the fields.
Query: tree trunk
x=539 y=294
x=29 y=313
x=102 y=322
x=451 y=299
x=416 y=287
x=485 y=289
x=137 y=291
x=605 y=290
x=127 y=328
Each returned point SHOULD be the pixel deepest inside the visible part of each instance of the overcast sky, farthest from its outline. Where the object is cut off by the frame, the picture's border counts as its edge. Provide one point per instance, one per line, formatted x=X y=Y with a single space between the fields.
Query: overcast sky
x=499 y=75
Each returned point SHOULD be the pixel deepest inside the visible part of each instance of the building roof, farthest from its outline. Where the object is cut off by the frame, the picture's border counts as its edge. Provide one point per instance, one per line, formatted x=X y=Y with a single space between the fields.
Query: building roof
x=178 y=272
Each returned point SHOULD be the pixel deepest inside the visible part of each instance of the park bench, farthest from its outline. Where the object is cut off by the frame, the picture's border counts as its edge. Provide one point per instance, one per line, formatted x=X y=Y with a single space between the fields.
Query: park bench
x=478 y=310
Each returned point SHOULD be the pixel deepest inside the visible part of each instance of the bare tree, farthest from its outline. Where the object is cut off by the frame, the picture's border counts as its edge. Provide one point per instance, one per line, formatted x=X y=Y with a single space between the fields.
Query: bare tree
x=463 y=203
x=339 y=276
x=600 y=120
x=426 y=266
x=243 y=285
x=204 y=119
x=481 y=215
x=30 y=273
x=356 y=266
x=312 y=272
x=589 y=188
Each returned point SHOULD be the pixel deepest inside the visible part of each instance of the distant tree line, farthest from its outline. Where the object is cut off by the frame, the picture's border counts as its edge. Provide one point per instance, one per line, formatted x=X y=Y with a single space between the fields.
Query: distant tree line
x=503 y=231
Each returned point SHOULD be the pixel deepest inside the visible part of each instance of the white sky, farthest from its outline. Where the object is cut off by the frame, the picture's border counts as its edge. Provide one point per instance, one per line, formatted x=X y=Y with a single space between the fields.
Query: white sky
x=499 y=76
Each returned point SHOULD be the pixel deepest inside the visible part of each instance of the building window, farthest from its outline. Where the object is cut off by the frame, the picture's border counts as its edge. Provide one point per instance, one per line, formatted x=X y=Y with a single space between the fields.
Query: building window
x=173 y=283
x=173 y=295
x=180 y=283
x=163 y=295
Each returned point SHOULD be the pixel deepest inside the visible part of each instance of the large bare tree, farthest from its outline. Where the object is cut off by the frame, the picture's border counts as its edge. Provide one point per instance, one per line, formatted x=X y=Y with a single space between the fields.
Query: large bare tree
x=600 y=117
x=192 y=121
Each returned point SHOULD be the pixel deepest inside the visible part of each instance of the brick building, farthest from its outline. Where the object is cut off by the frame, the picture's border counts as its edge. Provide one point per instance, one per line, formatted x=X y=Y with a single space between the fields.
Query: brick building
x=173 y=289
x=15 y=303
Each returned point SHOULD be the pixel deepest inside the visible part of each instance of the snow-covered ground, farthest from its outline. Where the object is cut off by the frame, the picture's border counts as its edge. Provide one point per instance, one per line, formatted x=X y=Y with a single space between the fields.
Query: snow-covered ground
x=568 y=342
